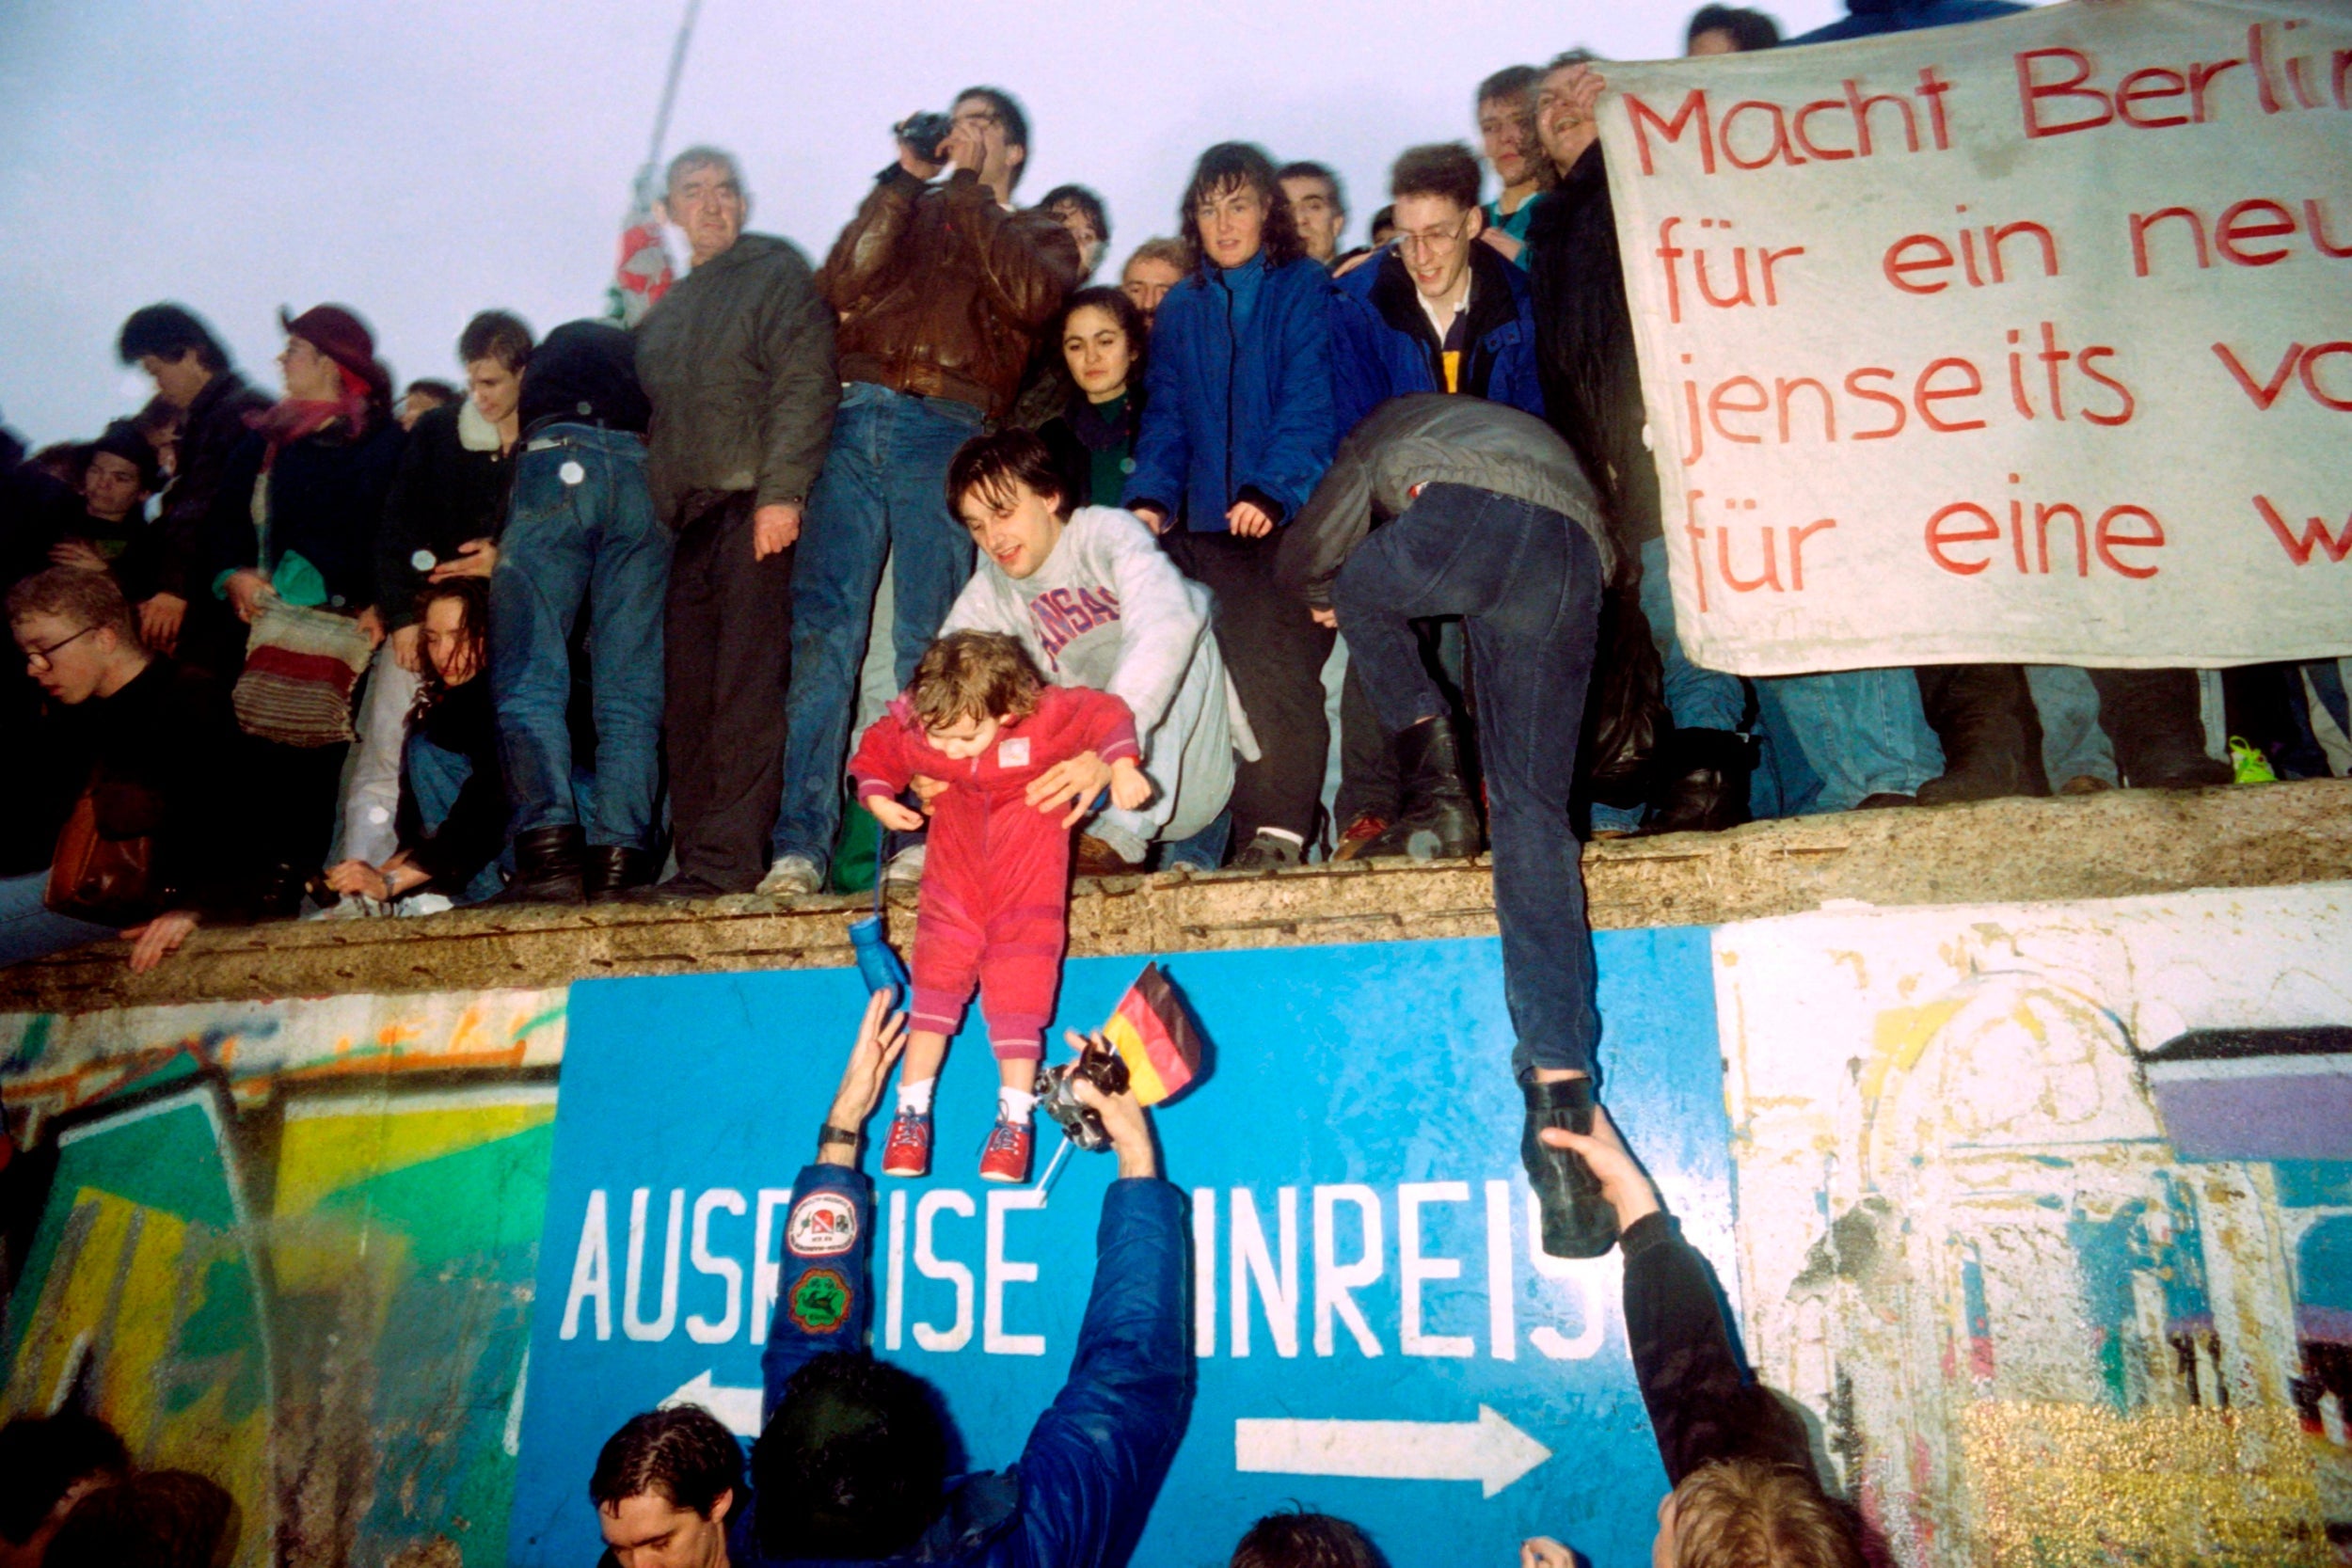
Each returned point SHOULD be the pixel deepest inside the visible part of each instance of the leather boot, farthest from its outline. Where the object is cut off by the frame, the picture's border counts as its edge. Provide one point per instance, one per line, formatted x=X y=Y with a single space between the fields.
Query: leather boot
x=2151 y=716
x=547 y=867
x=1576 y=1219
x=1439 y=818
x=1706 y=782
x=611 y=869
x=1983 y=713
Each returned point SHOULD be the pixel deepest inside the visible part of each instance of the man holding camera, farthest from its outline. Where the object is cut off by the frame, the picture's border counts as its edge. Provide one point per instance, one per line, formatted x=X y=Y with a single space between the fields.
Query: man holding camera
x=852 y=1461
x=942 y=290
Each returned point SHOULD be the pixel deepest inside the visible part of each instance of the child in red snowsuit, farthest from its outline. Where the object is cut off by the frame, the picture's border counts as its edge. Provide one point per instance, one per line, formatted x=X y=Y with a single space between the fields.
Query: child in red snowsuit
x=1013 y=752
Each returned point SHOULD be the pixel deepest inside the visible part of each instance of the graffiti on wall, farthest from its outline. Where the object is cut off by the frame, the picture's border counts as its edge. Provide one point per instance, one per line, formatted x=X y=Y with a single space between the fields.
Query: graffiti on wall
x=2045 y=1213
x=292 y=1246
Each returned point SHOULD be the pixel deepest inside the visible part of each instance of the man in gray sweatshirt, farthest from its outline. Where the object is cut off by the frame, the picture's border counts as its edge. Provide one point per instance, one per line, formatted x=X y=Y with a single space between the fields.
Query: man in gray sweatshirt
x=1097 y=604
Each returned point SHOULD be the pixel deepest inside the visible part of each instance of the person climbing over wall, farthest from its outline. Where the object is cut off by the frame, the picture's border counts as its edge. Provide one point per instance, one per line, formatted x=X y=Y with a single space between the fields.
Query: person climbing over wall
x=1493 y=521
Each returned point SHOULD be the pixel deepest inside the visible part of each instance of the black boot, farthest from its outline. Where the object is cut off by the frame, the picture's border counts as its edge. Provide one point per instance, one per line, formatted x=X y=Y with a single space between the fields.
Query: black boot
x=547 y=867
x=1983 y=713
x=610 y=870
x=2151 y=716
x=1439 y=818
x=1706 y=784
x=1576 y=1219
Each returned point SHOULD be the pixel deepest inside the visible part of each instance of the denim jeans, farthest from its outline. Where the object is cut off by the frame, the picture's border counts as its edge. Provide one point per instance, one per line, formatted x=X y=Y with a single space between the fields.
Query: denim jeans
x=1863 y=732
x=434 y=775
x=30 y=929
x=1526 y=582
x=2072 y=744
x=883 y=493
x=580 y=531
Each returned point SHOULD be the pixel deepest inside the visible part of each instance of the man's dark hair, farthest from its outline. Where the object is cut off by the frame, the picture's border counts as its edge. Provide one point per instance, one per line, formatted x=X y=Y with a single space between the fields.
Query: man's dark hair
x=162 y=1519
x=157 y=417
x=498 y=335
x=1307 y=171
x=1016 y=121
x=1384 y=218
x=994 y=463
x=1750 y=30
x=1512 y=81
x=684 y=1454
x=92 y=599
x=1448 y=169
x=853 y=1464
x=1297 y=1539
x=168 y=331
x=1237 y=163
x=42 y=1456
x=1085 y=202
x=1578 y=55
x=432 y=386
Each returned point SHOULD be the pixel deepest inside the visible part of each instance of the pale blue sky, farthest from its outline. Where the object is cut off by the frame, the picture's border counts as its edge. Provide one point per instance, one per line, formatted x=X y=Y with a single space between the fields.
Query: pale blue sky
x=423 y=160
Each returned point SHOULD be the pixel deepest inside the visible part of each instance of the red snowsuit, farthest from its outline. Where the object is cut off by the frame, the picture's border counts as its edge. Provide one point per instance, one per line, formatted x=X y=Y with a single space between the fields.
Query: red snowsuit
x=995 y=903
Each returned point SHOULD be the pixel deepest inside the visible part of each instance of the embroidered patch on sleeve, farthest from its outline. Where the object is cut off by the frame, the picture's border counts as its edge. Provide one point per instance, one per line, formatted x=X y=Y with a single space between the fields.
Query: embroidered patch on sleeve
x=819 y=1301
x=823 y=1225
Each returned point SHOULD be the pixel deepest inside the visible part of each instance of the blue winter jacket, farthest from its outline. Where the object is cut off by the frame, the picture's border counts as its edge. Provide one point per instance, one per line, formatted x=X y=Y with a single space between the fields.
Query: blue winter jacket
x=1238 y=404
x=1869 y=17
x=1086 y=1482
x=1383 y=347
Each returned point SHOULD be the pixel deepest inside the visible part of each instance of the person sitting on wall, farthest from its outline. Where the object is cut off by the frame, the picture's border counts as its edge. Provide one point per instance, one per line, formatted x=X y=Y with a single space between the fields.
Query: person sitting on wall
x=449 y=818
x=47 y=1465
x=852 y=1463
x=1746 y=1491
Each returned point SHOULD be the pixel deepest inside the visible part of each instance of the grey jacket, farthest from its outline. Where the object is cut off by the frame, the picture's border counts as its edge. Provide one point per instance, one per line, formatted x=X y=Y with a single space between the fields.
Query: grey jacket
x=737 y=360
x=1431 y=438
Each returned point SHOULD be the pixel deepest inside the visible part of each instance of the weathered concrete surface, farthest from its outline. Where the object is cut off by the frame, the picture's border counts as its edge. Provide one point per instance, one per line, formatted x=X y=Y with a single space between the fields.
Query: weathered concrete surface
x=2093 y=847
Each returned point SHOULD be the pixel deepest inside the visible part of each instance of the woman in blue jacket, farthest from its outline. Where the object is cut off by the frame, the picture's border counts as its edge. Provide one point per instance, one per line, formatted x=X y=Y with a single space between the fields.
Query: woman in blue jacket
x=1238 y=425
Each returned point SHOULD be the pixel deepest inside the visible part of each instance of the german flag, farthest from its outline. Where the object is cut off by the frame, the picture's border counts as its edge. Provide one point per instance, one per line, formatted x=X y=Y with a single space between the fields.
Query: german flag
x=1154 y=1035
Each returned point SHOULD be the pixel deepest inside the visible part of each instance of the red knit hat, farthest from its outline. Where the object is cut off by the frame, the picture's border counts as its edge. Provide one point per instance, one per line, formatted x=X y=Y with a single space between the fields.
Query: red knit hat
x=342 y=336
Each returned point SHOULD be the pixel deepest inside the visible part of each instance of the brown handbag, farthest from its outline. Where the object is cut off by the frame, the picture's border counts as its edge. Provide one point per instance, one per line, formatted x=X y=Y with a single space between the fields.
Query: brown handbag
x=107 y=881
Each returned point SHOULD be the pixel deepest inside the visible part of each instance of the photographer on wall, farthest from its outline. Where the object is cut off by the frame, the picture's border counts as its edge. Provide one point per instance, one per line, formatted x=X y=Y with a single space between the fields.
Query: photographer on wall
x=942 y=290
x=852 y=1461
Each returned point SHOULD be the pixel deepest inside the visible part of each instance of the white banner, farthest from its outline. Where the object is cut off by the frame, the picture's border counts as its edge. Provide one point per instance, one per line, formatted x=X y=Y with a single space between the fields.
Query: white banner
x=2028 y=341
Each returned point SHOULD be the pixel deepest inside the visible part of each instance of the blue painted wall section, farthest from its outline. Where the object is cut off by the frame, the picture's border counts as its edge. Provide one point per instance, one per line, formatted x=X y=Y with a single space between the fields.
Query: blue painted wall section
x=1363 y=1239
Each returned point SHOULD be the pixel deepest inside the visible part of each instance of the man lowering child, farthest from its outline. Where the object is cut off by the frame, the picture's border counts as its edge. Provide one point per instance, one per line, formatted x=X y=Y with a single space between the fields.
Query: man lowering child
x=1013 y=752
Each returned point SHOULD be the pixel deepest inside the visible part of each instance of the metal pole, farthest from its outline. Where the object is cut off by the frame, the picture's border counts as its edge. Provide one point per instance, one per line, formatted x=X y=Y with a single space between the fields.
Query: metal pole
x=669 y=88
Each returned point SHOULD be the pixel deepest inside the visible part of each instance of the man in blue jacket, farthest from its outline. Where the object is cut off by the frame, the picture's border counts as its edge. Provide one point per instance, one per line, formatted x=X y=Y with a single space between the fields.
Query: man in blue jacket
x=1435 y=310
x=851 y=1465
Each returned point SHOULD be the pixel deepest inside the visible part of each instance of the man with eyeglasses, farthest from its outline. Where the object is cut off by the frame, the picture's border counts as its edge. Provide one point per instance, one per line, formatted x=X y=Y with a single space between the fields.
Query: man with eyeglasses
x=942 y=290
x=1434 y=310
x=156 y=742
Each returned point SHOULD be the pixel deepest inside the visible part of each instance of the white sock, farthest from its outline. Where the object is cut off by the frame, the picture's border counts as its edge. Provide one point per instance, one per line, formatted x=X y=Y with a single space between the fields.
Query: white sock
x=1014 y=1104
x=916 y=1099
x=1283 y=834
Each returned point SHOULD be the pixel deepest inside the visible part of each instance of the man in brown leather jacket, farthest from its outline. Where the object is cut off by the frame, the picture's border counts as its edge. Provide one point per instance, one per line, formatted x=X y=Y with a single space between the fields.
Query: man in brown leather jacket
x=942 y=291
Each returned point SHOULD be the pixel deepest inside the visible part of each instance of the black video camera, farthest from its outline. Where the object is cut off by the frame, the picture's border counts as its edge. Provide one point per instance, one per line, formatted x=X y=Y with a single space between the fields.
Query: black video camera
x=923 y=133
x=1056 y=1093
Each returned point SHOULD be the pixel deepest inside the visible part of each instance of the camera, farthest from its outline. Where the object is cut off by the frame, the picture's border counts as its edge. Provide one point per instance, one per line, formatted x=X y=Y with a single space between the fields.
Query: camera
x=1057 y=1094
x=923 y=133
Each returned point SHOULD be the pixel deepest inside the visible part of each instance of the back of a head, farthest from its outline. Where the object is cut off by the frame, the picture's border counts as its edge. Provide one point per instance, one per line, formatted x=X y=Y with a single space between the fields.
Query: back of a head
x=1302 y=1540
x=162 y=1519
x=1749 y=1513
x=1748 y=30
x=41 y=1457
x=852 y=1464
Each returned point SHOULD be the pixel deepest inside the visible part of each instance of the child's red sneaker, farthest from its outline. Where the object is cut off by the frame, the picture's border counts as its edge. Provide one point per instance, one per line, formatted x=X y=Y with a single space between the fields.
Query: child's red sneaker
x=1007 y=1156
x=908 y=1150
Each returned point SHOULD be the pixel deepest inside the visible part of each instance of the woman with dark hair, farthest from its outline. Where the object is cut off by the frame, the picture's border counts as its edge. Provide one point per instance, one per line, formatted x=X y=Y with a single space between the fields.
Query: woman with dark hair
x=1238 y=425
x=453 y=800
x=1101 y=337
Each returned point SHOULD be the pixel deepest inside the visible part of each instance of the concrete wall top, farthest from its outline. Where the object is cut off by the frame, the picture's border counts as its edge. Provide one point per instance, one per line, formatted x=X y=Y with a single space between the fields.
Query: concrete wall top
x=2102 y=846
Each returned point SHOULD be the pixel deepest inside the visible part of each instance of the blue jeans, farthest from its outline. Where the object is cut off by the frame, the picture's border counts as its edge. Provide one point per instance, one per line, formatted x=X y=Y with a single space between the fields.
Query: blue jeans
x=1696 y=698
x=30 y=929
x=1862 y=732
x=1526 y=582
x=434 y=775
x=1204 y=850
x=883 y=493
x=589 y=539
x=2072 y=744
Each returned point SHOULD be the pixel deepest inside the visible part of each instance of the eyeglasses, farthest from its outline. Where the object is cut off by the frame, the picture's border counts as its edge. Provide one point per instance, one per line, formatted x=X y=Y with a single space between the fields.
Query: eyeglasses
x=45 y=656
x=1436 y=242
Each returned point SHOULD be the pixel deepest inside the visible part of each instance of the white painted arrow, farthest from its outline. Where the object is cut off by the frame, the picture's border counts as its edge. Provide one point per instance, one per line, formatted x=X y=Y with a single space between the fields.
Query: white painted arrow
x=1489 y=1451
x=738 y=1409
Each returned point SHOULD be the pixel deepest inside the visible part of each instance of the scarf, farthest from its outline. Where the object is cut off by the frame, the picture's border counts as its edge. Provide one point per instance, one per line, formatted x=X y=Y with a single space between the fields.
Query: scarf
x=290 y=420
